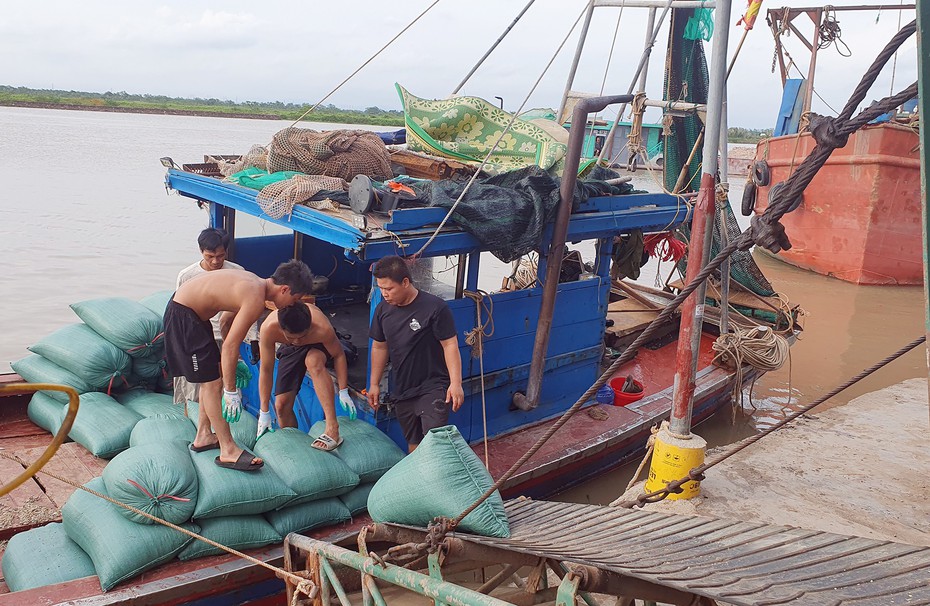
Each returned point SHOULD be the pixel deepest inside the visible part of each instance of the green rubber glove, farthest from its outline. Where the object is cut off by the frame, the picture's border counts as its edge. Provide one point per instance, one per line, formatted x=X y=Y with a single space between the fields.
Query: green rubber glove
x=243 y=375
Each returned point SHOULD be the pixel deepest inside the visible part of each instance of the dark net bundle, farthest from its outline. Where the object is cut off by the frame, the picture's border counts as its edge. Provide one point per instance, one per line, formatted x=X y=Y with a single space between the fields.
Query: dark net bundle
x=686 y=79
x=508 y=212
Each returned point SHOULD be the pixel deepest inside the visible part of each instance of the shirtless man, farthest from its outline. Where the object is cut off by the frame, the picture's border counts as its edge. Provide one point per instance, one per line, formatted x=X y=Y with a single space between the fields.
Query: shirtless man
x=192 y=352
x=309 y=341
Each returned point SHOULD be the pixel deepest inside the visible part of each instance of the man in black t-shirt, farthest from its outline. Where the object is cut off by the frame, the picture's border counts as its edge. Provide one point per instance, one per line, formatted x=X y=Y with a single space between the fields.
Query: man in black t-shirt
x=415 y=330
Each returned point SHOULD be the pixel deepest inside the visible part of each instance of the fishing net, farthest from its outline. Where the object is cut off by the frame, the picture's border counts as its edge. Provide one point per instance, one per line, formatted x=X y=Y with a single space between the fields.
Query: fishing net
x=334 y=153
x=278 y=199
x=256 y=158
x=686 y=79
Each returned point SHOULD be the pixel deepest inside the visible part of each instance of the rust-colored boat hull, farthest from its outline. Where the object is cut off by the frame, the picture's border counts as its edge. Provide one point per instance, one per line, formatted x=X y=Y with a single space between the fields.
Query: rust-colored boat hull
x=860 y=220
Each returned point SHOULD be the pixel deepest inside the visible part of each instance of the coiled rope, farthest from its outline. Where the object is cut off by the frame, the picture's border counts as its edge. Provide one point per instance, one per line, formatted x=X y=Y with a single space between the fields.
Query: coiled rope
x=759 y=347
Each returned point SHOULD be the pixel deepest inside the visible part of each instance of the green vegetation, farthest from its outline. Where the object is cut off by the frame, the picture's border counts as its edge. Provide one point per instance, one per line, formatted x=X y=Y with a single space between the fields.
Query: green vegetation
x=735 y=134
x=123 y=101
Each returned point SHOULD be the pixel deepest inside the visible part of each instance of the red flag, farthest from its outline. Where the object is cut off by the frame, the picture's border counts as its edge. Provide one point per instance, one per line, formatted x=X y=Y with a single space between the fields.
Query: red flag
x=752 y=11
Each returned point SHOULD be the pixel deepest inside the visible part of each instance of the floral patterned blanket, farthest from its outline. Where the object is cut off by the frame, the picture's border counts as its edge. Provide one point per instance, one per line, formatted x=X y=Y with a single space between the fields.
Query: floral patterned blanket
x=465 y=128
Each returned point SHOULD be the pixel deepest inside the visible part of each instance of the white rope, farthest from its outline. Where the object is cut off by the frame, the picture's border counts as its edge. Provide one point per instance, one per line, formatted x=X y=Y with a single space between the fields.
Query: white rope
x=759 y=347
x=501 y=137
x=362 y=66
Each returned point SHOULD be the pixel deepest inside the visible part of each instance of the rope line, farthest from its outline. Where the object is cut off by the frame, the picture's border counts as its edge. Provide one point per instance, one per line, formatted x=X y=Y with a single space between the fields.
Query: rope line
x=501 y=137
x=697 y=474
x=280 y=572
x=764 y=230
x=367 y=61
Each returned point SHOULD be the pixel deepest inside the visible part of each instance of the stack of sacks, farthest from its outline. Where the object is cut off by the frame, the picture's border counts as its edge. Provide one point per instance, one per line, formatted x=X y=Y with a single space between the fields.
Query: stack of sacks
x=243 y=431
x=120 y=343
x=44 y=556
x=120 y=547
x=316 y=477
x=134 y=329
x=367 y=452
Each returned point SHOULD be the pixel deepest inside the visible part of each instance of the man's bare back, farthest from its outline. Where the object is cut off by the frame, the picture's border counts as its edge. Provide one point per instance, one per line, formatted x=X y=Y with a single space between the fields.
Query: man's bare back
x=229 y=290
x=321 y=330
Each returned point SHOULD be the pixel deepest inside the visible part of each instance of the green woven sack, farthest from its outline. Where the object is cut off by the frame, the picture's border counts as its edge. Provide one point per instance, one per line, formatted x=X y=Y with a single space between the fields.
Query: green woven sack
x=238 y=532
x=46 y=412
x=44 y=556
x=157 y=478
x=442 y=477
x=85 y=353
x=149 y=404
x=228 y=492
x=149 y=368
x=306 y=516
x=120 y=549
x=102 y=426
x=365 y=449
x=309 y=472
x=357 y=500
x=36 y=369
x=158 y=301
x=243 y=431
x=129 y=325
x=161 y=428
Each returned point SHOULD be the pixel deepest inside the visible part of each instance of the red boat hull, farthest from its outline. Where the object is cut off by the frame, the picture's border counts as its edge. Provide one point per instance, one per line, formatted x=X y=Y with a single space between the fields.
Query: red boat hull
x=860 y=220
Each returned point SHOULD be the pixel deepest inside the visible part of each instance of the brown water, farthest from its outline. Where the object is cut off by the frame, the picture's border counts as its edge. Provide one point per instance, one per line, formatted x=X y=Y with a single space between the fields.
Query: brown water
x=84 y=214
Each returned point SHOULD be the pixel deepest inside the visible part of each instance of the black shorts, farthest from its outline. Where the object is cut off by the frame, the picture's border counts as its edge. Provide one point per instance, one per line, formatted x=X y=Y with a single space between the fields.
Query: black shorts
x=419 y=414
x=292 y=366
x=190 y=349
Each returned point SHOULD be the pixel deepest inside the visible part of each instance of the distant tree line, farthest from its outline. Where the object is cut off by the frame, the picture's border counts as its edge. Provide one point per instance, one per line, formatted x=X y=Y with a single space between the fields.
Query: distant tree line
x=736 y=134
x=123 y=101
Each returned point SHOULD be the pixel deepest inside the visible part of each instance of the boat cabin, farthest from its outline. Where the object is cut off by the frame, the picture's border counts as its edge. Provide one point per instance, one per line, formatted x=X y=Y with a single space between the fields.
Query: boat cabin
x=342 y=245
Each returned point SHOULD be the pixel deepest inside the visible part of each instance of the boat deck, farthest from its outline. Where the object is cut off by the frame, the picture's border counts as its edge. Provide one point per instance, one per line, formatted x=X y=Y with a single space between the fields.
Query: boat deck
x=740 y=563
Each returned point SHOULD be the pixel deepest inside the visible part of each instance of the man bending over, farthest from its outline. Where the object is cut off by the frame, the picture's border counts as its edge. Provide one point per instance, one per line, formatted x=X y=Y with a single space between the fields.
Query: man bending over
x=192 y=352
x=309 y=342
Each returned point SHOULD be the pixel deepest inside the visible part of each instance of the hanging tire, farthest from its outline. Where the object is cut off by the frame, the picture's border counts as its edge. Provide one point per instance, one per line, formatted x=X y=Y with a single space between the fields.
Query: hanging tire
x=749 y=199
x=761 y=175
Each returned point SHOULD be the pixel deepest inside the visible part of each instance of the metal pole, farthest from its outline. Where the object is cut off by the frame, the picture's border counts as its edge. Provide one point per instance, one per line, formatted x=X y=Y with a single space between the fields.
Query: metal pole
x=647 y=47
x=651 y=36
x=435 y=589
x=923 y=94
x=557 y=244
x=702 y=225
x=722 y=212
x=815 y=44
x=574 y=68
x=491 y=50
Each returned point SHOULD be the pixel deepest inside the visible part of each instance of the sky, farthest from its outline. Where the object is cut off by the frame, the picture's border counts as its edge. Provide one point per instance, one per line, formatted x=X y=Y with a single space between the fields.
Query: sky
x=291 y=51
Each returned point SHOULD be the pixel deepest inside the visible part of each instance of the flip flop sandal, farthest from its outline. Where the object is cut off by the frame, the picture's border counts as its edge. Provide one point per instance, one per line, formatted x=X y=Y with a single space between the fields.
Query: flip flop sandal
x=243 y=463
x=205 y=447
x=329 y=444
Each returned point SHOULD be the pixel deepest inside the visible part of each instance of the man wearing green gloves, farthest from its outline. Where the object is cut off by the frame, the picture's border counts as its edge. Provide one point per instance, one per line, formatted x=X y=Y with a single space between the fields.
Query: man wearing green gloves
x=192 y=352
x=309 y=342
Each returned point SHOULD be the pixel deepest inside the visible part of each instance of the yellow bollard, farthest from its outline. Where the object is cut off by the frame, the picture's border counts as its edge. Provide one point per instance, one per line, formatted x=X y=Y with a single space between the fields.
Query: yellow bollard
x=672 y=459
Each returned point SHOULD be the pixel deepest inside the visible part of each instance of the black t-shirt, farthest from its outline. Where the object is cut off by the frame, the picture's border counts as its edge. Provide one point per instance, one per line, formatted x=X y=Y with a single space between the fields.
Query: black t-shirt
x=413 y=333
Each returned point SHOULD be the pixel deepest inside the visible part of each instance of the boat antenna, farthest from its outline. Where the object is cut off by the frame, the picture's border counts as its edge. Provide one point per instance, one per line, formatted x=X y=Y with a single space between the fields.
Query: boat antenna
x=500 y=137
x=491 y=50
x=367 y=61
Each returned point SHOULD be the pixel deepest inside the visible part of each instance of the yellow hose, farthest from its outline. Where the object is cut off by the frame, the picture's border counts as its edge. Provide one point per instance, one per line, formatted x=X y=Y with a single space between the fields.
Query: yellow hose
x=58 y=440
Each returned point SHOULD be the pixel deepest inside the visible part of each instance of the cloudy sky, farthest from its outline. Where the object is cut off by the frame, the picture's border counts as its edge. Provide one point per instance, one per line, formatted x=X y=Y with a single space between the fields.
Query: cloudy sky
x=281 y=50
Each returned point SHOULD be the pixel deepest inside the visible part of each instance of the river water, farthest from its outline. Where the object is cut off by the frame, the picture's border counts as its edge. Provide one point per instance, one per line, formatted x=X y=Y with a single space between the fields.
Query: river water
x=84 y=214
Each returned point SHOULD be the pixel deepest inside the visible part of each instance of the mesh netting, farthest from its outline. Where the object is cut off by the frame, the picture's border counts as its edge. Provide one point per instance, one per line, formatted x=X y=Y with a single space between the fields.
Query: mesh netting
x=686 y=79
x=256 y=158
x=335 y=153
x=278 y=199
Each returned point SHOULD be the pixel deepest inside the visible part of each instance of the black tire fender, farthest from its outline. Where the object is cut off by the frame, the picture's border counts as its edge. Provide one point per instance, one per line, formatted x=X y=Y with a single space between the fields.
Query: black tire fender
x=749 y=199
x=761 y=175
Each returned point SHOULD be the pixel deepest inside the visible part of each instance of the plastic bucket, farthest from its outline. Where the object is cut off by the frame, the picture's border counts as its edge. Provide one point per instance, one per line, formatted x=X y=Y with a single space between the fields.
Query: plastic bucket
x=622 y=398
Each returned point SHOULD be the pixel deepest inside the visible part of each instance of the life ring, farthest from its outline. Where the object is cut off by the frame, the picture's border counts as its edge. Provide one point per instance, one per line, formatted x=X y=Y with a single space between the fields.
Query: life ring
x=749 y=199
x=760 y=173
